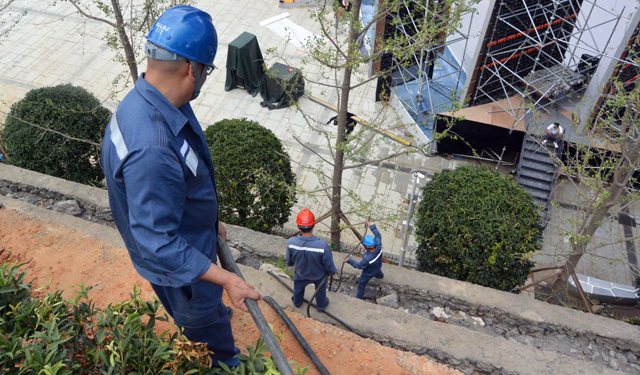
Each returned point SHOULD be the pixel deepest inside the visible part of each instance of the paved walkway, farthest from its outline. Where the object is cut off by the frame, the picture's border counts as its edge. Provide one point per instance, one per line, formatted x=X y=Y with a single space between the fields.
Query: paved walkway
x=54 y=45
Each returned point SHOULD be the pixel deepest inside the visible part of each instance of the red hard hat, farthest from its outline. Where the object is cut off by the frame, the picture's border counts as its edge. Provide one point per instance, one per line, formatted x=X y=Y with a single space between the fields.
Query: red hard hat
x=306 y=219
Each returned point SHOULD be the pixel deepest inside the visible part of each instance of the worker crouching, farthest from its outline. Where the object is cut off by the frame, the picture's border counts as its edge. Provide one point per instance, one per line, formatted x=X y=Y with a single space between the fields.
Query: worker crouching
x=371 y=263
x=312 y=259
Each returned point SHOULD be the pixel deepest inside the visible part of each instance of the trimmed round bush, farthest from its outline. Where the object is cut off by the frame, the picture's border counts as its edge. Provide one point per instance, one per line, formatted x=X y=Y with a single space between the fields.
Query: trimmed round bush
x=256 y=186
x=478 y=226
x=43 y=131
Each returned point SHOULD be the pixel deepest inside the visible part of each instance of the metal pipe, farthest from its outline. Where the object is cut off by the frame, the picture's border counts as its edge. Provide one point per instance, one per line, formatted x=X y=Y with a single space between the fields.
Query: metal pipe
x=416 y=176
x=277 y=354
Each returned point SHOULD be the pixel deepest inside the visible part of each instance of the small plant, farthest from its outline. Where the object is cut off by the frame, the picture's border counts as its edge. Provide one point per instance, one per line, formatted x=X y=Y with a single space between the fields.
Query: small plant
x=53 y=336
x=280 y=262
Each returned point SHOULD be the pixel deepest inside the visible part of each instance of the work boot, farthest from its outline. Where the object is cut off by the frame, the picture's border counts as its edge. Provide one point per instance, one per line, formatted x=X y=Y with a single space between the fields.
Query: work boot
x=324 y=308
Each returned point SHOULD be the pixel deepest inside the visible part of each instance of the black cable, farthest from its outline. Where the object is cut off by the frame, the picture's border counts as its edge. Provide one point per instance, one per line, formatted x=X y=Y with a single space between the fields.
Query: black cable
x=351 y=253
x=277 y=354
x=324 y=281
x=292 y=327
x=347 y=326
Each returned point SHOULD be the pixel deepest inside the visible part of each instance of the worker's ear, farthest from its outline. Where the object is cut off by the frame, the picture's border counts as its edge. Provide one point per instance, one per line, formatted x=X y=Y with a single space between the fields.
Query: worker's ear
x=191 y=73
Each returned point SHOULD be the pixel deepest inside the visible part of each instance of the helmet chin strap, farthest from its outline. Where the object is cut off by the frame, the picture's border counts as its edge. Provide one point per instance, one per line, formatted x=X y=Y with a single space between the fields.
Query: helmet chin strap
x=199 y=79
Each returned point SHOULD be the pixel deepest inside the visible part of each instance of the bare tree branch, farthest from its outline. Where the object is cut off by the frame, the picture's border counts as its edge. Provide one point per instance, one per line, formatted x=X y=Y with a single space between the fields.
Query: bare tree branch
x=90 y=16
x=5 y=6
x=406 y=152
x=47 y=129
x=311 y=149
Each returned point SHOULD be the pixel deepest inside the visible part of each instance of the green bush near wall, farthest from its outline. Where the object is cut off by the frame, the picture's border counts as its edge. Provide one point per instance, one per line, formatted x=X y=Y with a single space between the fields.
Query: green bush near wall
x=54 y=336
x=57 y=131
x=477 y=226
x=256 y=186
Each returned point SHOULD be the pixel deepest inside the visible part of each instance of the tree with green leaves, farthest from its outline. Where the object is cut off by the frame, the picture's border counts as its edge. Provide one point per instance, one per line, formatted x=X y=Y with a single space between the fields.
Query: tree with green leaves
x=57 y=131
x=475 y=225
x=602 y=177
x=256 y=186
x=9 y=17
x=130 y=23
x=337 y=63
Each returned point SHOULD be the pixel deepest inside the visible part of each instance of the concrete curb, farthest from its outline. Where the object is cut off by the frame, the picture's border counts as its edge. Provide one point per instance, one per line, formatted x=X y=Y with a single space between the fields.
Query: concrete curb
x=366 y=316
x=449 y=343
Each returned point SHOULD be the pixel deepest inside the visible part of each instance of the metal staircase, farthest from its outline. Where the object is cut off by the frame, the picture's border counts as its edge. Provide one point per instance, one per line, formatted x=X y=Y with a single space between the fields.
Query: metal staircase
x=537 y=172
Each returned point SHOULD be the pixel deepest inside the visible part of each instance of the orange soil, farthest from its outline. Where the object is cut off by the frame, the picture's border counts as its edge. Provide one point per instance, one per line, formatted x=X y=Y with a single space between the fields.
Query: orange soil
x=64 y=259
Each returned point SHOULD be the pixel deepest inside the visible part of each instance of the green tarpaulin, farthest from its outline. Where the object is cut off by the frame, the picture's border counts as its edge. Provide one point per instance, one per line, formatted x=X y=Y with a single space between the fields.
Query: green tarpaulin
x=281 y=86
x=244 y=64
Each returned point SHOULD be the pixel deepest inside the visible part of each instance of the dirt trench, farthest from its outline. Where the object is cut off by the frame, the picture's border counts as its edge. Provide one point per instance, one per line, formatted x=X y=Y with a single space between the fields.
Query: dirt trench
x=62 y=258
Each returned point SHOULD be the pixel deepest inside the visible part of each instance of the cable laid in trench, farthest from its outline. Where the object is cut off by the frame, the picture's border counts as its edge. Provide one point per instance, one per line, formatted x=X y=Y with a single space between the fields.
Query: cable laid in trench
x=292 y=327
x=343 y=263
x=347 y=326
x=322 y=283
x=277 y=354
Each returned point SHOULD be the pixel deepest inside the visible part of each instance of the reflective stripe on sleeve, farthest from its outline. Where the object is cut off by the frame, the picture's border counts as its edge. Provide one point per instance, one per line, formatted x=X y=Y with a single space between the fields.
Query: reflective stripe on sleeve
x=190 y=157
x=116 y=137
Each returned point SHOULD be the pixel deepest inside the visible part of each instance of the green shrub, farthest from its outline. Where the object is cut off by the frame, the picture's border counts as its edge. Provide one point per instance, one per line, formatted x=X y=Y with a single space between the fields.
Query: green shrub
x=256 y=187
x=56 y=336
x=478 y=226
x=35 y=129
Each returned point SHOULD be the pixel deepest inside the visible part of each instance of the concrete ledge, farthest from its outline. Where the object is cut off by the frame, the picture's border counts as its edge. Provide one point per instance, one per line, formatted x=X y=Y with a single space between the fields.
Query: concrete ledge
x=95 y=196
x=463 y=349
x=517 y=311
x=512 y=304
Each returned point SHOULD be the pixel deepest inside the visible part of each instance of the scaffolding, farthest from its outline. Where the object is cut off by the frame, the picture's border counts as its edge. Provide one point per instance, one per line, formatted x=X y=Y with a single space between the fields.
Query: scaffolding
x=434 y=80
x=533 y=55
x=530 y=51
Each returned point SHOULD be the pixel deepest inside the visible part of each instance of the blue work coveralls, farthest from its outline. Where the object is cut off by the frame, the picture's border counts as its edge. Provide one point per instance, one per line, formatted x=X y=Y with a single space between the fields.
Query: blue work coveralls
x=313 y=260
x=162 y=194
x=371 y=264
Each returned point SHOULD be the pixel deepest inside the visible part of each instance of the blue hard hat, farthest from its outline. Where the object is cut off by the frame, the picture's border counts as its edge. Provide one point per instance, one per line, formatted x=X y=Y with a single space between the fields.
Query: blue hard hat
x=369 y=241
x=187 y=32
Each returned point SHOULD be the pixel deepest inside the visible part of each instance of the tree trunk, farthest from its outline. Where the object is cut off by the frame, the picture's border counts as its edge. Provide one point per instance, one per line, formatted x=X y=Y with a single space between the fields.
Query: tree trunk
x=629 y=158
x=124 y=39
x=343 y=107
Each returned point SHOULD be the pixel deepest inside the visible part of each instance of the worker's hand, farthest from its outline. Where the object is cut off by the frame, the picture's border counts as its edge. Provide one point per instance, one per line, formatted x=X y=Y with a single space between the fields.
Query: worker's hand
x=347 y=258
x=222 y=231
x=368 y=223
x=239 y=290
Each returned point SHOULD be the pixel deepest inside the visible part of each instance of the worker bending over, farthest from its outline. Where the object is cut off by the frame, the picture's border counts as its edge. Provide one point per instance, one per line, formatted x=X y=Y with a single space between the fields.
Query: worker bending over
x=312 y=258
x=553 y=132
x=371 y=263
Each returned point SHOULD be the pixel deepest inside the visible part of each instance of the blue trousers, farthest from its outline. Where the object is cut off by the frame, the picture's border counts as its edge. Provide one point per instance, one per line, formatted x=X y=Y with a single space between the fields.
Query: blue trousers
x=298 y=293
x=198 y=310
x=364 y=280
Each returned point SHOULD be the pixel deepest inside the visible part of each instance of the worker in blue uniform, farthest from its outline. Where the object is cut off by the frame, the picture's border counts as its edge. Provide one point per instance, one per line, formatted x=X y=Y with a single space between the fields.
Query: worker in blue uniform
x=313 y=261
x=162 y=187
x=371 y=263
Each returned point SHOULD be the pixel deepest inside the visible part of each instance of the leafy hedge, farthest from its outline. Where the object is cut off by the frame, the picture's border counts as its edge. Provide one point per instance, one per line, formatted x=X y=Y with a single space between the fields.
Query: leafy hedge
x=256 y=186
x=56 y=336
x=34 y=130
x=478 y=226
